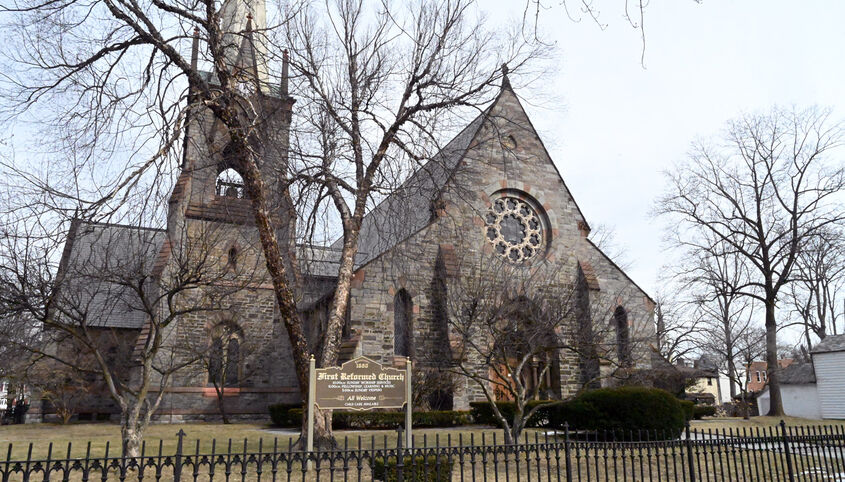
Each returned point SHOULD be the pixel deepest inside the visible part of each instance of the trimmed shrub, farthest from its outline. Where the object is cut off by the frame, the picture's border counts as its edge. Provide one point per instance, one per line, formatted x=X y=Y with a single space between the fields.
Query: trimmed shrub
x=290 y=415
x=391 y=420
x=286 y=414
x=622 y=411
x=700 y=411
x=689 y=408
x=482 y=413
x=417 y=469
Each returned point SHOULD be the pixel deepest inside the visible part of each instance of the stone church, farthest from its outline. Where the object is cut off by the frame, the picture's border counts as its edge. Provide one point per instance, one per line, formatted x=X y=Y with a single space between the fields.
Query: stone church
x=492 y=192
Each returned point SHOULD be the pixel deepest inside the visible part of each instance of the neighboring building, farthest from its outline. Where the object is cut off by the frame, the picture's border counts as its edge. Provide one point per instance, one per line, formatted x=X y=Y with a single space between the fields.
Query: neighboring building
x=829 y=361
x=492 y=191
x=798 y=392
x=4 y=396
x=757 y=374
x=702 y=381
x=817 y=389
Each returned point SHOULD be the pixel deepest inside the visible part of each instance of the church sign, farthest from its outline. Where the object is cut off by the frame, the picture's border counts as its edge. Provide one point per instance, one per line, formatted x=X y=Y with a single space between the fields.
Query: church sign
x=359 y=384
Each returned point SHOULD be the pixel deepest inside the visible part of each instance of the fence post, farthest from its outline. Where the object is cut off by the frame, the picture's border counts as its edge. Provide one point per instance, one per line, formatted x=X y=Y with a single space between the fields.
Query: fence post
x=785 y=440
x=400 y=458
x=690 y=459
x=177 y=464
x=566 y=451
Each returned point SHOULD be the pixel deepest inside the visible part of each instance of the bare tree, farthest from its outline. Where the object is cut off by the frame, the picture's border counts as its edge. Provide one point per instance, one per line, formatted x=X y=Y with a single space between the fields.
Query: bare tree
x=226 y=358
x=632 y=12
x=676 y=326
x=87 y=305
x=377 y=111
x=510 y=330
x=750 y=345
x=765 y=193
x=375 y=82
x=604 y=237
x=715 y=277
x=820 y=284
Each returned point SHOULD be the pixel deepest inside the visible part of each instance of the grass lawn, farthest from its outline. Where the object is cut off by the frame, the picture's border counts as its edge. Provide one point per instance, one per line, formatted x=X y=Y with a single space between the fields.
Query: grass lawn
x=164 y=435
x=728 y=423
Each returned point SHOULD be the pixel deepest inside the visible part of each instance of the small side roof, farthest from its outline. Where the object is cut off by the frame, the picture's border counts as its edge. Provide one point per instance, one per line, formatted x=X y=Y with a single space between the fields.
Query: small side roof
x=99 y=263
x=830 y=343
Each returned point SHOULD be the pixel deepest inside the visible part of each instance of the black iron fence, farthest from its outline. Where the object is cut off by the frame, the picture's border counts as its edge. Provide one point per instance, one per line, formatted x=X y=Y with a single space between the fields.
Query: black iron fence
x=781 y=454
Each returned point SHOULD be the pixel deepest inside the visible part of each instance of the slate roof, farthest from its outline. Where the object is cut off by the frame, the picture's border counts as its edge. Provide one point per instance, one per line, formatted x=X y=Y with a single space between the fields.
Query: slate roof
x=322 y=261
x=98 y=263
x=798 y=374
x=409 y=208
x=829 y=344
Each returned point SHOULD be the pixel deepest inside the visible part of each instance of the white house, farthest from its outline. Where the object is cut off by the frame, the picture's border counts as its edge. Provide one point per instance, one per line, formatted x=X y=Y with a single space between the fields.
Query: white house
x=798 y=390
x=817 y=389
x=4 y=393
x=829 y=361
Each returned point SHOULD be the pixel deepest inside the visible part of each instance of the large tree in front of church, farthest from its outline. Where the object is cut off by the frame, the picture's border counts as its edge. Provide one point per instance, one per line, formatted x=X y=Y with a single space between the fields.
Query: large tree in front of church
x=112 y=85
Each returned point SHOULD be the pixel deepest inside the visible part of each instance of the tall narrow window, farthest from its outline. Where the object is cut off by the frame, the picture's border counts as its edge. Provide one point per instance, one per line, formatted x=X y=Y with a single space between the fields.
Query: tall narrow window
x=224 y=356
x=233 y=258
x=233 y=359
x=402 y=329
x=623 y=336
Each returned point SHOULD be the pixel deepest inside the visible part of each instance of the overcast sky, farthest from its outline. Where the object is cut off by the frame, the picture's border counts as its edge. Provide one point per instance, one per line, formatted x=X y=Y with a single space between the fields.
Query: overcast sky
x=616 y=126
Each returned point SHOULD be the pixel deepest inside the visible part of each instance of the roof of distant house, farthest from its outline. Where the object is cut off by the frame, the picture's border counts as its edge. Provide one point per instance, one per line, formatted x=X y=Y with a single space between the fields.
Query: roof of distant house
x=798 y=374
x=830 y=343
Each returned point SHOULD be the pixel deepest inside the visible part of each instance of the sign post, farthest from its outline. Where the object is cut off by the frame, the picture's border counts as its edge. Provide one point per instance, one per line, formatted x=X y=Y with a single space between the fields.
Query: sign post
x=409 y=414
x=359 y=384
x=312 y=392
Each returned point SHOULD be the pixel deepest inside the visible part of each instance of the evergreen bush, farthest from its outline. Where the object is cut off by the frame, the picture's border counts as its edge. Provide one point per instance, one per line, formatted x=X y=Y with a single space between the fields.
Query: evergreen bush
x=290 y=415
x=419 y=468
x=700 y=411
x=622 y=412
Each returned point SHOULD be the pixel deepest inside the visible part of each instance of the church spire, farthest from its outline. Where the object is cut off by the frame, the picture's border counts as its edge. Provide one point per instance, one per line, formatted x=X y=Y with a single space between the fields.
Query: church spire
x=506 y=83
x=244 y=23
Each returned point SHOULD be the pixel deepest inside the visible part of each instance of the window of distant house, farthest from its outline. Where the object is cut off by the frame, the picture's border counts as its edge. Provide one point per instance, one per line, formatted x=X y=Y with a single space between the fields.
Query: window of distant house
x=764 y=376
x=758 y=377
x=230 y=184
x=710 y=382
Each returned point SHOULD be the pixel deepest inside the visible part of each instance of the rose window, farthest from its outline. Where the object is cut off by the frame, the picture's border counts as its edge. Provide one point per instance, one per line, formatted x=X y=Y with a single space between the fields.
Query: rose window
x=514 y=229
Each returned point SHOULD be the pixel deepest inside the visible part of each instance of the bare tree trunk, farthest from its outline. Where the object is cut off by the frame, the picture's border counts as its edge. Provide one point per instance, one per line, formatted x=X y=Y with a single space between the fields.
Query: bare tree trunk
x=221 y=406
x=776 y=403
x=729 y=352
x=745 y=414
x=130 y=437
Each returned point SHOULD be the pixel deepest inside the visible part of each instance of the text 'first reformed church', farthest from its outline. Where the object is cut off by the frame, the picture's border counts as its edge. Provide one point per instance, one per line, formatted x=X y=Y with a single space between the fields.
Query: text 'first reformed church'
x=491 y=194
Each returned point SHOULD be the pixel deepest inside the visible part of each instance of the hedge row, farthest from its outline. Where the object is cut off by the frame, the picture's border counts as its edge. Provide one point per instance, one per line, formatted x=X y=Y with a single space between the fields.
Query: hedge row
x=623 y=409
x=615 y=410
x=390 y=420
x=290 y=415
x=700 y=411
x=482 y=413
x=420 y=468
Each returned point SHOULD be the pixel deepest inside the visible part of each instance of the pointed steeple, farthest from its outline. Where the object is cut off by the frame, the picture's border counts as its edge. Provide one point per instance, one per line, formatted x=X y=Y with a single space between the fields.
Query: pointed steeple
x=283 y=87
x=506 y=83
x=244 y=23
